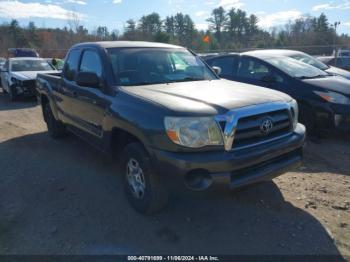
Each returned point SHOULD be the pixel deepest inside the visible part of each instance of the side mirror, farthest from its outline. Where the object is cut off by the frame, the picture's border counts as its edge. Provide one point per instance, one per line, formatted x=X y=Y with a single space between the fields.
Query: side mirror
x=217 y=70
x=88 y=79
x=268 y=79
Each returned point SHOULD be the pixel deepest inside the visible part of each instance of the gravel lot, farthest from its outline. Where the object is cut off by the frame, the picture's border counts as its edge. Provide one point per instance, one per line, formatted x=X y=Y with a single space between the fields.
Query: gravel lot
x=64 y=197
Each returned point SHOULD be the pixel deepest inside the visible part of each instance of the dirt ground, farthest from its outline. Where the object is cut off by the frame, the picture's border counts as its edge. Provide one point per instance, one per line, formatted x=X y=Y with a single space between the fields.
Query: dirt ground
x=64 y=197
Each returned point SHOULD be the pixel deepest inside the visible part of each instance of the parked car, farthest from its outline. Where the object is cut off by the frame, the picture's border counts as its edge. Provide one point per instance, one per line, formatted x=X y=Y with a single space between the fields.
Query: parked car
x=170 y=119
x=303 y=57
x=324 y=100
x=22 y=52
x=341 y=62
x=18 y=75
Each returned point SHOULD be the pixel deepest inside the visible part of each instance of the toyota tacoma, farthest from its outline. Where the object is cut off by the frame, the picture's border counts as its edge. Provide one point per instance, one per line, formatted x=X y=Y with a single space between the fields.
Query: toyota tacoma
x=170 y=119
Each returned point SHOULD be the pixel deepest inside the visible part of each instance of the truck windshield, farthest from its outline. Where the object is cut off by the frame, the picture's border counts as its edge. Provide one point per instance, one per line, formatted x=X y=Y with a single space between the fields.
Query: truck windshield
x=30 y=65
x=146 y=66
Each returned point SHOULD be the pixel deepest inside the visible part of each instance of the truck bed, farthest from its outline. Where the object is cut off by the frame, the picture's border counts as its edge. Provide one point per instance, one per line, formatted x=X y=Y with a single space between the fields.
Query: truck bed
x=47 y=81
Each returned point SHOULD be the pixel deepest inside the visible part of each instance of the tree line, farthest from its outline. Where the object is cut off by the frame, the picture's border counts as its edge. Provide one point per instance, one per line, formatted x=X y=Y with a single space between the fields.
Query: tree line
x=230 y=30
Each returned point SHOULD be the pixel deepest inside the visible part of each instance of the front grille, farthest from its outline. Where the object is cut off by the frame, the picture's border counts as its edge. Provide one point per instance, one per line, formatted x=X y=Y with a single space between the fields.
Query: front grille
x=29 y=84
x=248 y=131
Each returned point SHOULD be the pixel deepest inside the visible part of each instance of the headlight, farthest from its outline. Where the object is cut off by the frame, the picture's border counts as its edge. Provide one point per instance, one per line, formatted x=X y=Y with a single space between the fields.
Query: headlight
x=295 y=112
x=16 y=82
x=334 y=97
x=193 y=132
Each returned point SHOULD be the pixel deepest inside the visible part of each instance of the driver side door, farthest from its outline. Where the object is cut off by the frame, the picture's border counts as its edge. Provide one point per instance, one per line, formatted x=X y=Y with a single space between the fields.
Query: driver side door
x=90 y=102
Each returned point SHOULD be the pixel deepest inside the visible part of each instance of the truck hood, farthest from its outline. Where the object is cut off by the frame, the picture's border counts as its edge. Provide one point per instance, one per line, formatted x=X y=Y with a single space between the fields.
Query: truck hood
x=206 y=97
x=29 y=75
x=338 y=71
x=332 y=83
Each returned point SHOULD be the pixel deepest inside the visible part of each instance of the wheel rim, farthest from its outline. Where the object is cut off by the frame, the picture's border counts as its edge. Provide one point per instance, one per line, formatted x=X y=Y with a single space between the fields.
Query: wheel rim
x=136 y=179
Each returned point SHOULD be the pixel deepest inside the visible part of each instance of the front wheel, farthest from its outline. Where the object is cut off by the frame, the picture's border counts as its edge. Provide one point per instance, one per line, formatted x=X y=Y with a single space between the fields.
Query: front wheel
x=142 y=185
x=55 y=128
x=307 y=118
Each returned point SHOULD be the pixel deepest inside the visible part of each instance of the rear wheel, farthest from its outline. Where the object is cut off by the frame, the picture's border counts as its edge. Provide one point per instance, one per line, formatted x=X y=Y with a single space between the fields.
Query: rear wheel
x=55 y=128
x=142 y=185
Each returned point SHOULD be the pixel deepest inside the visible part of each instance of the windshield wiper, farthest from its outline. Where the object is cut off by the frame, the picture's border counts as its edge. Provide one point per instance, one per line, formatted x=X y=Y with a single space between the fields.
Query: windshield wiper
x=187 y=79
x=311 y=77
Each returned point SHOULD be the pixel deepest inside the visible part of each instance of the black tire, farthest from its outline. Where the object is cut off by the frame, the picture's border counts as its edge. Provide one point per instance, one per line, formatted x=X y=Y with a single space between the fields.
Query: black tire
x=307 y=118
x=55 y=128
x=154 y=196
x=12 y=93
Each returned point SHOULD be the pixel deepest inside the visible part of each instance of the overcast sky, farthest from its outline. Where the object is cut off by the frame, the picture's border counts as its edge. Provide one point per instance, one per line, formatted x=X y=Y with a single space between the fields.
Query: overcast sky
x=114 y=13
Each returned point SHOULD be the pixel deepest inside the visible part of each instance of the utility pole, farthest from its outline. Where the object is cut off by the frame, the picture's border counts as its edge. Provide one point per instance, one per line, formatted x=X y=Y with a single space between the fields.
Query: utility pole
x=335 y=25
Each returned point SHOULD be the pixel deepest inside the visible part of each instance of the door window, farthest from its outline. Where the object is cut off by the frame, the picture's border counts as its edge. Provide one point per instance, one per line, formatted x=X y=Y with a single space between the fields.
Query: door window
x=226 y=65
x=279 y=78
x=91 y=62
x=252 y=69
x=71 y=65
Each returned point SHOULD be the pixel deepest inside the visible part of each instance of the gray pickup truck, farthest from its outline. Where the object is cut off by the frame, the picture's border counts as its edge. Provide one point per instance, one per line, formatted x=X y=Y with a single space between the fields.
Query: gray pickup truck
x=168 y=118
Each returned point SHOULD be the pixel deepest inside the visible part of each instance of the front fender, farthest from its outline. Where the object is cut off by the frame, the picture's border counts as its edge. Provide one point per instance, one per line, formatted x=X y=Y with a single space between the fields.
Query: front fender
x=111 y=121
x=44 y=89
x=139 y=118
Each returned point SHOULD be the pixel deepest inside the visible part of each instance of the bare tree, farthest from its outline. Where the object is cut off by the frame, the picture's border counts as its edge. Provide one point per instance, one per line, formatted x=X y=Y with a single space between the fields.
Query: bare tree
x=74 y=20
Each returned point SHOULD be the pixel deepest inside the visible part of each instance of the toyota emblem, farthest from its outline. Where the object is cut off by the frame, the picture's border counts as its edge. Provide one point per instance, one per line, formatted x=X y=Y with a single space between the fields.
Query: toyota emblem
x=266 y=126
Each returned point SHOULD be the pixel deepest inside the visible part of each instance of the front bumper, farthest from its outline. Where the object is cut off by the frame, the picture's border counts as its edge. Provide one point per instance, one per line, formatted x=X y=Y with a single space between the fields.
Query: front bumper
x=335 y=117
x=235 y=168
